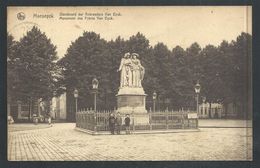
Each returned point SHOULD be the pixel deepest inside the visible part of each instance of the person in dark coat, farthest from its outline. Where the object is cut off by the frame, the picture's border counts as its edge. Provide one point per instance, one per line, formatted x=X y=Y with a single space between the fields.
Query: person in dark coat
x=112 y=121
x=127 y=124
x=118 y=123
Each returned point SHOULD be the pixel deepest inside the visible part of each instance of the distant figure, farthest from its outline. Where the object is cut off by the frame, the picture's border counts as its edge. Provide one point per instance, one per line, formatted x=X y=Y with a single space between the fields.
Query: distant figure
x=111 y=121
x=10 y=120
x=118 y=123
x=49 y=119
x=127 y=124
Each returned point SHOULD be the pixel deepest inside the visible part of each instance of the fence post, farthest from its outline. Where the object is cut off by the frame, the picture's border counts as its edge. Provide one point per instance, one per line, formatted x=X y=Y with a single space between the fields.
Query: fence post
x=150 y=120
x=133 y=123
x=188 y=120
x=82 y=123
x=182 y=119
x=197 y=123
x=77 y=119
x=95 y=122
x=167 y=119
x=80 y=115
x=86 y=119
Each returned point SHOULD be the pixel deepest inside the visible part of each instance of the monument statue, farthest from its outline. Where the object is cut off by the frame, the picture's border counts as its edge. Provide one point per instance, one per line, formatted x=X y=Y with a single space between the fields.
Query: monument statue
x=125 y=69
x=131 y=96
x=132 y=72
x=138 y=71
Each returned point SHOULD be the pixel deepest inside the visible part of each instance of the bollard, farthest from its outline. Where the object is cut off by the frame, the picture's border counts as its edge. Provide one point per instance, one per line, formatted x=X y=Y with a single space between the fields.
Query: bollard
x=133 y=124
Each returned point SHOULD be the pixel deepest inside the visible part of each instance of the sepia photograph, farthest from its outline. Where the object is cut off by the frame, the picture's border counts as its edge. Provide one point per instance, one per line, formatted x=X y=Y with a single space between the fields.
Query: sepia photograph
x=129 y=83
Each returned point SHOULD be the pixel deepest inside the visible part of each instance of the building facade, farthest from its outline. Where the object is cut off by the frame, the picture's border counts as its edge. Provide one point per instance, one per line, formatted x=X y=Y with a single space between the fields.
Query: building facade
x=214 y=110
x=58 y=107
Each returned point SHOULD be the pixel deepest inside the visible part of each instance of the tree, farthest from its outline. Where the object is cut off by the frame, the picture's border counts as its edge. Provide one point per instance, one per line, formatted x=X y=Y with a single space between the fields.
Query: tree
x=161 y=70
x=240 y=69
x=11 y=68
x=172 y=74
x=183 y=79
x=193 y=54
x=211 y=64
x=226 y=73
x=34 y=67
x=88 y=57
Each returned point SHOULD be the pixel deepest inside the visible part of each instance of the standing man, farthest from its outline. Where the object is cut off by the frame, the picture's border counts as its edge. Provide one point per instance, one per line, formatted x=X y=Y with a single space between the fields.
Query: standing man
x=111 y=121
x=118 y=123
x=127 y=124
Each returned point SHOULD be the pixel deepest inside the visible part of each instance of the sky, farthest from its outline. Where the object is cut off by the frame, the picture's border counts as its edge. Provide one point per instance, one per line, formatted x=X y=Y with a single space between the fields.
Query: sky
x=172 y=25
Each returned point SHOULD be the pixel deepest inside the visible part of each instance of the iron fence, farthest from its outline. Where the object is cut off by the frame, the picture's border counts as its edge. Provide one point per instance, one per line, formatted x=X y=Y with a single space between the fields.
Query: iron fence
x=163 y=120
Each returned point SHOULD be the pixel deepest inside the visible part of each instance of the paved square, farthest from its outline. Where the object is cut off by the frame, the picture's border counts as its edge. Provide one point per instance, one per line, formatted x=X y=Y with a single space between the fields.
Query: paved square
x=61 y=142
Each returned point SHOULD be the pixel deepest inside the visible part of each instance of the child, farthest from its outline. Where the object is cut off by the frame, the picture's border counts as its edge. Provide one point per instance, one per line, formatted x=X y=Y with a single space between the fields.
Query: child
x=127 y=124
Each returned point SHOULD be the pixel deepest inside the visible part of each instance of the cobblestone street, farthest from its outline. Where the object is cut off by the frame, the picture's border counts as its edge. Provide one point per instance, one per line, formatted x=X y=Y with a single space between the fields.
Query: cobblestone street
x=62 y=142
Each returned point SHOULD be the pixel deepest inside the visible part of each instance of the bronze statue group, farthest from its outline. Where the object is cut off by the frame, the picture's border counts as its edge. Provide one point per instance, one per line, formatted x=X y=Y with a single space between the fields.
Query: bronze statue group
x=115 y=123
x=132 y=72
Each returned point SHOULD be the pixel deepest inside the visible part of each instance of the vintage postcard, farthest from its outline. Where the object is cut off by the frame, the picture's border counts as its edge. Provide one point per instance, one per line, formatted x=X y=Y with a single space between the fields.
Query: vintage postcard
x=140 y=83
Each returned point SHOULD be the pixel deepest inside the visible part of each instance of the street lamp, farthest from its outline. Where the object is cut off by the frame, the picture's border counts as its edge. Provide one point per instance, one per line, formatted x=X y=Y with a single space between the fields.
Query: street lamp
x=154 y=98
x=55 y=102
x=76 y=95
x=197 y=91
x=95 y=88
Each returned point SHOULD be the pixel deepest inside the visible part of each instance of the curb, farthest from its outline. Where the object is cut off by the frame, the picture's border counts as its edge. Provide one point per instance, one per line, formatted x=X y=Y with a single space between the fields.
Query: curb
x=138 y=132
x=49 y=126
x=222 y=127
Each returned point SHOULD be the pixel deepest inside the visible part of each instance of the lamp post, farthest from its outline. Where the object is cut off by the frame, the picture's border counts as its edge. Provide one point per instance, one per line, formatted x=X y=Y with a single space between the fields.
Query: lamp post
x=95 y=88
x=76 y=95
x=203 y=105
x=197 y=91
x=55 y=102
x=154 y=98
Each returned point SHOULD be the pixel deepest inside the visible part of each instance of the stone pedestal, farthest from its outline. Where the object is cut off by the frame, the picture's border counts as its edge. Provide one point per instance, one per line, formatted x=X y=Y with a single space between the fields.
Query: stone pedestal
x=131 y=101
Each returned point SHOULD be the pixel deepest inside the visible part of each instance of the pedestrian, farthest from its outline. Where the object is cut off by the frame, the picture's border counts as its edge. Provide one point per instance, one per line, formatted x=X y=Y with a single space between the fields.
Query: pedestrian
x=127 y=124
x=118 y=123
x=111 y=121
x=49 y=119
